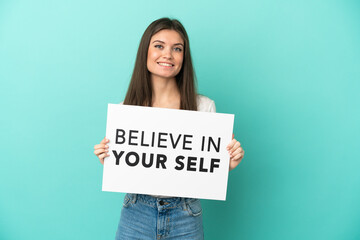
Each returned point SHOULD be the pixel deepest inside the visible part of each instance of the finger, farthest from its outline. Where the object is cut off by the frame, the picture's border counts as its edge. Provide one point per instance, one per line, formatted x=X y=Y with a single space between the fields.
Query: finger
x=100 y=151
x=231 y=144
x=237 y=151
x=233 y=136
x=236 y=146
x=98 y=146
x=238 y=157
x=102 y=143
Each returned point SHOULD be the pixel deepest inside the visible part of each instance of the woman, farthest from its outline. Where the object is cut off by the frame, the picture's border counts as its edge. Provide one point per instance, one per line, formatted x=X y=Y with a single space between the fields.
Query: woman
x=163 y=77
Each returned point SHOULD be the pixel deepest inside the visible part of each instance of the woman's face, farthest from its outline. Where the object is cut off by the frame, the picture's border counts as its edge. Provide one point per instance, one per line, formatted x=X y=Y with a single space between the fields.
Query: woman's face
x=165 y=54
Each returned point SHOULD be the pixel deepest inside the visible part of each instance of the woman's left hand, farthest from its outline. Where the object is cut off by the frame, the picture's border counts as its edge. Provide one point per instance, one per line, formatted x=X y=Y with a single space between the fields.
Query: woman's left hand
x=236 y=153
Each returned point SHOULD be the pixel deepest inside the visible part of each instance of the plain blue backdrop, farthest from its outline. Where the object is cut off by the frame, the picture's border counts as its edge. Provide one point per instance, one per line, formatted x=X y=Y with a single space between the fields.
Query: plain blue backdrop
x=288 y=70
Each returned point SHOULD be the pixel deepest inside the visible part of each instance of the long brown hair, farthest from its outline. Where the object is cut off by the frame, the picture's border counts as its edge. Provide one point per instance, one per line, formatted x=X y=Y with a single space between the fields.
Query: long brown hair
x=140 y=87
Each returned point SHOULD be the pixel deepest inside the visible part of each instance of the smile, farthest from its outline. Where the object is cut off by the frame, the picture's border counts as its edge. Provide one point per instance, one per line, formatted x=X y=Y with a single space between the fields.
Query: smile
x=165 y=64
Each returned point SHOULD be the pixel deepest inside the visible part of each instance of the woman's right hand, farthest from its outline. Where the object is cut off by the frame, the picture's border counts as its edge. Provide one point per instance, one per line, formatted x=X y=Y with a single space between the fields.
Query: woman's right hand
x=102 y=149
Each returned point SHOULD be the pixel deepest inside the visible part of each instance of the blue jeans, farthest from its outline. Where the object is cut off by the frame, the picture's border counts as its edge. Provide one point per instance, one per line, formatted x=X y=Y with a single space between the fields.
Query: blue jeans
x=147 y=217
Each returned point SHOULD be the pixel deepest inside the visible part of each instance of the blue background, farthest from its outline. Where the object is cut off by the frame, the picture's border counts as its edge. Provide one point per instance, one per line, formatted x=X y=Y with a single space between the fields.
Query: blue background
x=288 y=70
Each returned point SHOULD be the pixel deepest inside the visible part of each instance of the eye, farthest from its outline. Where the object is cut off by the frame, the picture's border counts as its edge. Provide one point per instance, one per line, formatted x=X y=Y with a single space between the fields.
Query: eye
x=177 y=49
x=158 y=46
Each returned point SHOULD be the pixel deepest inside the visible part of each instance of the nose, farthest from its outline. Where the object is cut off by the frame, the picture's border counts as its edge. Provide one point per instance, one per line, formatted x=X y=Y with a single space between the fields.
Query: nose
x=167 y=53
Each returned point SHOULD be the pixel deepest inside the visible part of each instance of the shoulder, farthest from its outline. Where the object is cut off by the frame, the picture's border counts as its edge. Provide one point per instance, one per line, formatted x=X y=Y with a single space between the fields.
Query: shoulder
x=205 y=104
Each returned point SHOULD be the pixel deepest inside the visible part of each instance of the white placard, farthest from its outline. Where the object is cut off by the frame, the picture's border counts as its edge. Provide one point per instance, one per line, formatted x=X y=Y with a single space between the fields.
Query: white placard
x=167 y=152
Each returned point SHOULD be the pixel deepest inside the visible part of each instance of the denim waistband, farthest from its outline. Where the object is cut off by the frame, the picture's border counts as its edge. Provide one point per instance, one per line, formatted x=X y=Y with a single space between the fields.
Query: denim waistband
x=164 y=203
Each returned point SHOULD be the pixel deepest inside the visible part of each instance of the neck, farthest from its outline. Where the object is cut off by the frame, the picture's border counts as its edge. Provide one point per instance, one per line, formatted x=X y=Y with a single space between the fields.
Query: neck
x=165 y=93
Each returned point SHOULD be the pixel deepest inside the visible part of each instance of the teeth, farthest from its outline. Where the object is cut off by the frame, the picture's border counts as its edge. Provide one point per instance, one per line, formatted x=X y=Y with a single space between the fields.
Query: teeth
x=165 y=64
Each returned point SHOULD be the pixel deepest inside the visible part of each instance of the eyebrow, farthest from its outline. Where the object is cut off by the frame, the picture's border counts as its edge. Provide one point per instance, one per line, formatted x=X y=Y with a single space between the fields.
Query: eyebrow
x=164 y=42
